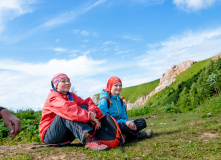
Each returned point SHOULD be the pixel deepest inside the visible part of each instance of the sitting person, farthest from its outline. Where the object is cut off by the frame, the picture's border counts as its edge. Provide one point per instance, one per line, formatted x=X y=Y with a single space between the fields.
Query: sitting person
x=66 y=116
x=11 y=121
x=129 y=128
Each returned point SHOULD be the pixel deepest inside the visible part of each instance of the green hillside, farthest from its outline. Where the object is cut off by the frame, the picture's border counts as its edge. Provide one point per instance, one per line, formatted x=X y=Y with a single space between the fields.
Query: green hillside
x=192 y=90
x=134 y=92
x=171 y=93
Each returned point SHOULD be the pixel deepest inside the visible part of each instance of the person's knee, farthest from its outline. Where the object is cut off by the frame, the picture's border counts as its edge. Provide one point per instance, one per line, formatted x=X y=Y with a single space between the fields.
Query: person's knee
x=141 y=122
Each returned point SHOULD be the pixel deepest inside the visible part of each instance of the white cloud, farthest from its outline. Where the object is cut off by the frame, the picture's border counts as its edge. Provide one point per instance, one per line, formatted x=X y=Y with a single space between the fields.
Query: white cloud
x=194 y=5
x=58 y=49
x=131 y=37
x=70 y=15
x=187 y=46
x=10 y=9
x=60 y=19
x=108 y=43
x=86 y=52
x=122 y=52
x=27 y=85
x=74 y=51
x=84 y=33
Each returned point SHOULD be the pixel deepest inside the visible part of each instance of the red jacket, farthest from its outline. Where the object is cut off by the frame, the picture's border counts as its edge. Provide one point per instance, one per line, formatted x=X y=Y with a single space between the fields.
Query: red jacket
x=58 y=104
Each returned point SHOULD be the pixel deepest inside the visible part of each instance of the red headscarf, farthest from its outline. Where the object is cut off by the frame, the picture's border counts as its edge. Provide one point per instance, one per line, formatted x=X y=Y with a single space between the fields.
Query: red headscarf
x=111 y=82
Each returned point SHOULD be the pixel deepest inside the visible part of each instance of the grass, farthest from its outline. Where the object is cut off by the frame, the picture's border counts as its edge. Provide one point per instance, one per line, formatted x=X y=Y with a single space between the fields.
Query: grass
x=176 y=136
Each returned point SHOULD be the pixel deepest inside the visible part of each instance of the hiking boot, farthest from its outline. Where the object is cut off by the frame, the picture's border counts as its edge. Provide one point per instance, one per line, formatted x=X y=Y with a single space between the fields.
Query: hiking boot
x=145 y=134
x=93 y=143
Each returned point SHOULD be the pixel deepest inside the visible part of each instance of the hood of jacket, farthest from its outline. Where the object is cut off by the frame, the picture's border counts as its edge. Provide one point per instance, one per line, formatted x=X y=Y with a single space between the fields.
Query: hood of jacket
x=103 y=94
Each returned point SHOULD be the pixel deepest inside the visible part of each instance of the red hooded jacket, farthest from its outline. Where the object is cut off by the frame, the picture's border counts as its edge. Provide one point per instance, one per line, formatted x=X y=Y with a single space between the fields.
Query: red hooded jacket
x=58 y=104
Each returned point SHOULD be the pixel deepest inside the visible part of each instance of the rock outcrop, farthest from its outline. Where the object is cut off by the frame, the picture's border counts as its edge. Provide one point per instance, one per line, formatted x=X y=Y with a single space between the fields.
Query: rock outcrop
x=167 y=78
x=217 y=56
x=95 y=99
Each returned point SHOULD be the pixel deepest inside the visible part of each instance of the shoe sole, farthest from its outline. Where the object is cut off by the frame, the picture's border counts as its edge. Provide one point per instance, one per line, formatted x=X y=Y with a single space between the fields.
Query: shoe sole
x=98 y=149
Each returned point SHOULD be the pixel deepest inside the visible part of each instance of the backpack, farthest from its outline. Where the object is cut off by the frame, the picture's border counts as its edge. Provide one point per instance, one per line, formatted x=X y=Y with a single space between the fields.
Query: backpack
x=109 y=133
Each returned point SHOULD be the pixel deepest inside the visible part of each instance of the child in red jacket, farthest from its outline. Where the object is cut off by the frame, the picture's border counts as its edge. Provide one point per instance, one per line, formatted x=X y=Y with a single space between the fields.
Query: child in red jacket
x=66 y=116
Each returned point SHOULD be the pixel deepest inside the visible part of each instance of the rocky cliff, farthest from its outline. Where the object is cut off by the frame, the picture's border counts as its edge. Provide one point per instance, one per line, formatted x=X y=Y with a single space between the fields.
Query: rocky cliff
x=167 y=78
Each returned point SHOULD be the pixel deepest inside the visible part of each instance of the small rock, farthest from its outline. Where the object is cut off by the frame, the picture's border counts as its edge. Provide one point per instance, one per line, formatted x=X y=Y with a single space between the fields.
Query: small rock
x=151 y=124
x=174 y=119
x=152 y=116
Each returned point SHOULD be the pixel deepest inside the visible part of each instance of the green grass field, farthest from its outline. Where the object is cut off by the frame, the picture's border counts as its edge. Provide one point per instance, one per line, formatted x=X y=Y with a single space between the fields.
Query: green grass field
x=176 y=136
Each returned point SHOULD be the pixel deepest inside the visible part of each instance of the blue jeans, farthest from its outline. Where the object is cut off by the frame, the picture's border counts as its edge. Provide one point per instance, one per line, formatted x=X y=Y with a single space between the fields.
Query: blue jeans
x=63 y=131
x=130 y=134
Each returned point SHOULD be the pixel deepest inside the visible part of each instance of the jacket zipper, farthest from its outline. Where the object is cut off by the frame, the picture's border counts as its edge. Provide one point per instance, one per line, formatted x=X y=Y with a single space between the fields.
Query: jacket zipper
x=117 y=107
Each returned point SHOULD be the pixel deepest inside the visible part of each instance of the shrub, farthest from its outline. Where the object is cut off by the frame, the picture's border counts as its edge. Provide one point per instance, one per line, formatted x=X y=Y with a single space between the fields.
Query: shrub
x=171 y=108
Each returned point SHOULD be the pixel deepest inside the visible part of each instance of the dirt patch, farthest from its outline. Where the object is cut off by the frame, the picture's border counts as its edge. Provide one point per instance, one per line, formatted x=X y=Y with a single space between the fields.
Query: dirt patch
x=196 y=123
x=209 y=135
x=41 y=151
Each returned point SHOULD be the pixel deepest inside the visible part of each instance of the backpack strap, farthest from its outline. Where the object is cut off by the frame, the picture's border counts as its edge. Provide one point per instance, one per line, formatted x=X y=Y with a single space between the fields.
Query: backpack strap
x=108 y=101
x=121 y=102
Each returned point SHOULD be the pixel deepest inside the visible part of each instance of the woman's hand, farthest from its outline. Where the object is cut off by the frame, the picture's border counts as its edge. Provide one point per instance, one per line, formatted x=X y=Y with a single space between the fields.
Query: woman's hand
x=94 y=120
x=131 y=125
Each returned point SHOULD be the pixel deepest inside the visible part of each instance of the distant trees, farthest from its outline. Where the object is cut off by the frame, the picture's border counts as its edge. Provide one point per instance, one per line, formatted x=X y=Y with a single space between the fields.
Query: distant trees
x=207 y=84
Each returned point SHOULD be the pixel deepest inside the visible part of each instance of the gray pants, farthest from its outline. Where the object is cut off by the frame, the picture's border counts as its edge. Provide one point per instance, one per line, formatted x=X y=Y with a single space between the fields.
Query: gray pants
x=63 y=131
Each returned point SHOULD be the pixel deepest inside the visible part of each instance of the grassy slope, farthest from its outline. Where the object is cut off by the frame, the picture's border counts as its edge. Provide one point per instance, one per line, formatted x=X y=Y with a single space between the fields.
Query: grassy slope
x=134 y=92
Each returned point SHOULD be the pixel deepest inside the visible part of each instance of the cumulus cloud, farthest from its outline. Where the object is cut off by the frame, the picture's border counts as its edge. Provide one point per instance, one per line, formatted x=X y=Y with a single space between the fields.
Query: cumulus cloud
x=10 y=9
x=28 y=84
x=194 y=5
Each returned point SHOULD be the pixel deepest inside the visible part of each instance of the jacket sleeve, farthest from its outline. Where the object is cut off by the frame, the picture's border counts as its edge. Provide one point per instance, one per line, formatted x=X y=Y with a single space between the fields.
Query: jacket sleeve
x=103 y=106
x=91 y=106
x=123 y=116
x=68 y=109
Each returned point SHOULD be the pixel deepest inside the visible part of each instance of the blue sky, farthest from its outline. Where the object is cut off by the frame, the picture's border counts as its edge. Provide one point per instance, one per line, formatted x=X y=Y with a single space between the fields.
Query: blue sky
x=92 y=40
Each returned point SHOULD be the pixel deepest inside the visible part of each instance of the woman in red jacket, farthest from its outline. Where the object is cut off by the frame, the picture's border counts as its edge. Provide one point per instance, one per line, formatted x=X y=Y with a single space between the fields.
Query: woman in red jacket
x=66 y=116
